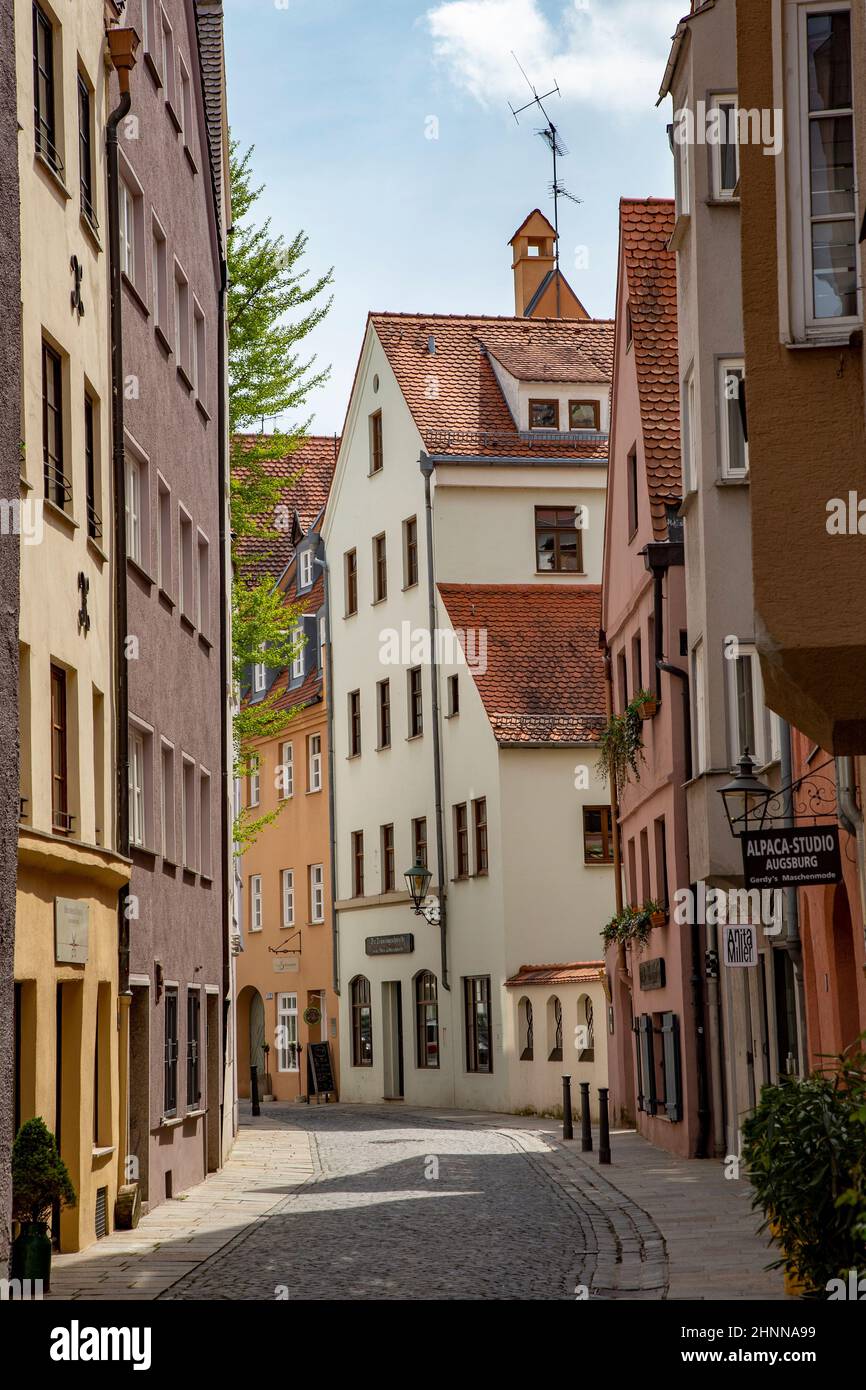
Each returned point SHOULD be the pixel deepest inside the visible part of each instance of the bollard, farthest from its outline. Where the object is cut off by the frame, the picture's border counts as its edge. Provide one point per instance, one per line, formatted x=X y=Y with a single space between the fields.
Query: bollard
x=603 y=1126
x=567 y=1126
x=254 y=1090
x=585 y=1124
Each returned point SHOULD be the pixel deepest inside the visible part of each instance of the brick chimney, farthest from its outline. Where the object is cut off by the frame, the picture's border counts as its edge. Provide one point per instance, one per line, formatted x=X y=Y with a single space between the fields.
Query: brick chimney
x=533 y=258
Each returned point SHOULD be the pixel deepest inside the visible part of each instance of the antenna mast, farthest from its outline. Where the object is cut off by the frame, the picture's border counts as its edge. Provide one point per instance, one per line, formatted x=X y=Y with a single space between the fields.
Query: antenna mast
x=558 y=150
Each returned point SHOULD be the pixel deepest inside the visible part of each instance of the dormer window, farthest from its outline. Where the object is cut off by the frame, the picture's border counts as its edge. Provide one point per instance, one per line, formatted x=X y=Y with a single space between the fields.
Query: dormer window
x=584 y=415
x=544 y=415
x=258 y=677
x=305 y=567
x=298 y=658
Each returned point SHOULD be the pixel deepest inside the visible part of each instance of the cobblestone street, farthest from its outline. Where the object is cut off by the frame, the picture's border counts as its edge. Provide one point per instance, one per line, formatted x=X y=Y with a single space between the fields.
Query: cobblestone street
x=378 y=1203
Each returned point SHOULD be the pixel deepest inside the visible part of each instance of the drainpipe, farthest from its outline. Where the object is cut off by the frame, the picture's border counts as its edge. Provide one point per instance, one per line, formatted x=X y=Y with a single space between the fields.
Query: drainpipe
x=793 y=944
x=332 y=807
x=122 y=44
x=427 y=466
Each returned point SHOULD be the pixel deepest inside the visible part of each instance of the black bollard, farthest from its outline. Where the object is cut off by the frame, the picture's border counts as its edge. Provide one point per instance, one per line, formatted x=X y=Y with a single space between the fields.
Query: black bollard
x=254 y=1090
x=603 y=1126
x=585 y=1124
x=567 y=1126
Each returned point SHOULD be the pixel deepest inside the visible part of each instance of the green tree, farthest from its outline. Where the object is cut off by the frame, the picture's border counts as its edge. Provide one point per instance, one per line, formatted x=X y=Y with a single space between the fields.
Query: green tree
x=272 y=307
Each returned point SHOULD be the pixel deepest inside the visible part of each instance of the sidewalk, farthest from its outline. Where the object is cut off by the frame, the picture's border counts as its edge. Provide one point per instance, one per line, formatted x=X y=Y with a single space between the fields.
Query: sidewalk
x=266 y=1164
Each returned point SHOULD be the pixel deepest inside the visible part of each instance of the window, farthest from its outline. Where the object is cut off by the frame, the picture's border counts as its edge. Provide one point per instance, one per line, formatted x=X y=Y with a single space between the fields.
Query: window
x=690 y=424
x=58 y=488
x=389 y=882
x=184 y=111
x=259 y=677
x=254 y=775
x=193 y=1047
x=134 y=490
x=636 y=664
x=187 y=580
x=631 y=483
x=43 y=90
x=376 y=452
x=661 y=848
x=416 y=703
x=554 y=1029
x=85 y=151
x=383 y=690
x=526 y=1041
x=351 y=567
x=357 y=863
x=166 y=803
x=410 y=552
x=181 y=321
x=198 y=364
x=168 y=61
x=137 y=788
x=622 y=679
x=288 y=1056
x=317 y=894
x=152 y=36
x=362 y=1022
x=725 y=153
x=419 y=840
x=699 y=707
x=597 y=836
x=203 y=584
x=91 y=469
x=828 y=170
x=159 y=276
x=747 y=718
x=544 y=415
x=298 y=644
x=453 y=696
x=558 y=545
x=127 y=231
x=61 y=820
x=682 y=182
x=380 y=569
x=644 y=866
x=286 y=774
x=305 y=568
x=187 y=812
x=476 y=1015
x=354 y=723
x=461 y=841
x=584 y=415
x=427 y=1019
x=204 y=823
x=169 y=1096
x=776 y=727
x=255 y=902
x=314 y=763
x=288 y=884
x=479 y=818
x=734 y=449
x=585 y=1035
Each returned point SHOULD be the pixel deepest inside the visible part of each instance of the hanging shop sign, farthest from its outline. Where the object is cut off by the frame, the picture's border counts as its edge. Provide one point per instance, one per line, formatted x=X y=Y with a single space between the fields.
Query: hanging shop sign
x=794 y=858
x=740 y=944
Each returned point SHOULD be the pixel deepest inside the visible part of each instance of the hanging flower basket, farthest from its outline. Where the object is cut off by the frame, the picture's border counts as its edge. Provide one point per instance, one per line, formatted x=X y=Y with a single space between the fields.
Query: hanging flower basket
x=646 y=705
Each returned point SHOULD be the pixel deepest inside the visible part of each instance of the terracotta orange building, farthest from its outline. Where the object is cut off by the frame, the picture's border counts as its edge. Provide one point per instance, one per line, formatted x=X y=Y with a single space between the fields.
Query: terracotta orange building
x=285 y=972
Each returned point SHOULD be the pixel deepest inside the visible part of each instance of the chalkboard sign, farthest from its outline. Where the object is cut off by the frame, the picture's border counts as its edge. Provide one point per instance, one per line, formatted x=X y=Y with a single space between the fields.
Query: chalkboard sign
x=319 y=1068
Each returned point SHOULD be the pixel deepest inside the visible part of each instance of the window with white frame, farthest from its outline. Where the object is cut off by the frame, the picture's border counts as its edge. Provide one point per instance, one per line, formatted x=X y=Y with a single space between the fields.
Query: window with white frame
x=138 y=786
x=126 y=231
x=255 y=902
x=822 y=182
x=165 y=568
x=305 y=564
x=255 y=779
x=689 y=445
x=203 y=584
x=298 y=658
x=159 y=273
x=746 y=713
x=734 y=449
x=286 y=773
x=198 y=351
x=181 y=320
x=169 y=841
x=775 y=736
x=682 y=185
x=288 y=877
x=187 y=571
x=259 y=677
x=726 y=152
x=134 y=499
x=314 y=763
x=317 y=893
x=699 y=705
x=204 y=822
x=287 y=1032
x=187 y=812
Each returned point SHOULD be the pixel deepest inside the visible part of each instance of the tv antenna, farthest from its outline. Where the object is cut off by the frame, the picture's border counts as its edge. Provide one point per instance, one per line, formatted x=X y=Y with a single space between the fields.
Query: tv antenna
x=558 y=149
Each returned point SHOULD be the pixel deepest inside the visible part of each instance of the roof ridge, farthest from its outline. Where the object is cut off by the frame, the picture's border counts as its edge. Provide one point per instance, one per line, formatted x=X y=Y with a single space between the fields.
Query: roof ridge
x=490 y=318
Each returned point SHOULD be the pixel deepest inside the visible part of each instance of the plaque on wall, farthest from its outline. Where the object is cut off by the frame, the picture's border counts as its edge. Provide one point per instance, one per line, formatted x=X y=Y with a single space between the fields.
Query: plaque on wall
x=71 y=928
x=397 y=945
x=652 y=973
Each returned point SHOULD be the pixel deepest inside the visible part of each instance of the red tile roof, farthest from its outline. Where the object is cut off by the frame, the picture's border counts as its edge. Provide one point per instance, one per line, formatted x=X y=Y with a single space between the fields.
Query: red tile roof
x=548 y=362
x=577 y=973
x=544 y=677
x=453 y=394
x=645 y=228
x=306 y=477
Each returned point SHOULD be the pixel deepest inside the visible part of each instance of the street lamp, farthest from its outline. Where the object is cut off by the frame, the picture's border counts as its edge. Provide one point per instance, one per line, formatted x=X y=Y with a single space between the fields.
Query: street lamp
x=746 y=798
x=418 y=881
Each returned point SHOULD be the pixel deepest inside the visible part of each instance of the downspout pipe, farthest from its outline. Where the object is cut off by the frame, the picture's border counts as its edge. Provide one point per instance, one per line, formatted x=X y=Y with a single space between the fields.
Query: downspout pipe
x=426 y=466
x=332 y=805
x=793 y=943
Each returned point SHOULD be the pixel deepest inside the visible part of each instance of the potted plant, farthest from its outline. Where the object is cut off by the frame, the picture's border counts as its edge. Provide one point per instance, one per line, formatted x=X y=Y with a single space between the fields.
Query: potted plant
x=656 y=913
x=620 y=745
x=39 y=1179
x=631 y=926
x=646 y=704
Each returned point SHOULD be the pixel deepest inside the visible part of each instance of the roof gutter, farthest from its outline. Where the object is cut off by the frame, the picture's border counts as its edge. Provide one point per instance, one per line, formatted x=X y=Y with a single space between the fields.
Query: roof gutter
x=493 y=461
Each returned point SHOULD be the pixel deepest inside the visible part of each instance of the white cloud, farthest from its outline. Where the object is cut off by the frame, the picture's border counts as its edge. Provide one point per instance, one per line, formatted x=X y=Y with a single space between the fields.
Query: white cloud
x=609 y=54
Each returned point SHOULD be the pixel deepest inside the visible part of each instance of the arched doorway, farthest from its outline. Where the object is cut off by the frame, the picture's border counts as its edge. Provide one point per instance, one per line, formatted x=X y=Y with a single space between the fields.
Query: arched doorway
x=250 y=1037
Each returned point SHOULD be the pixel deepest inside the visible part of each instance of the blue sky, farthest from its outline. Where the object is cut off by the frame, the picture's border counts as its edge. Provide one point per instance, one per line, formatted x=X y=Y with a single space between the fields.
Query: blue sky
x=336 y=96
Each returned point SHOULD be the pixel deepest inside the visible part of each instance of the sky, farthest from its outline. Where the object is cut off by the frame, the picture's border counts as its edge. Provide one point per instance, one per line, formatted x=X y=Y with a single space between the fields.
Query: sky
x=382 y=129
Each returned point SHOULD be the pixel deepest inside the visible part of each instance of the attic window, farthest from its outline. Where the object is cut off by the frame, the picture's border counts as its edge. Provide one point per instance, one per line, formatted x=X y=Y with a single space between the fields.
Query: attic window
x=306 y=568
x=584 y=415
x=544 y=415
